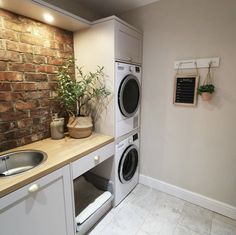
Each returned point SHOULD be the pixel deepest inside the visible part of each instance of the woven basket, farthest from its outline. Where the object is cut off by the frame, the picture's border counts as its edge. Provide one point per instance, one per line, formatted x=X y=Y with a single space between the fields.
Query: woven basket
x=80 y=127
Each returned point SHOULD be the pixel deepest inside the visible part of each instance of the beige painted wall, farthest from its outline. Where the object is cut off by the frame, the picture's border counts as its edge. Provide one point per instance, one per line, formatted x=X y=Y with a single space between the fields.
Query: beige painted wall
x=193 y=148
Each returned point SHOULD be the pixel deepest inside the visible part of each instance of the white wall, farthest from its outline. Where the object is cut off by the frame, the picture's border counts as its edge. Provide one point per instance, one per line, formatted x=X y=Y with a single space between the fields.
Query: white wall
x=193 y=148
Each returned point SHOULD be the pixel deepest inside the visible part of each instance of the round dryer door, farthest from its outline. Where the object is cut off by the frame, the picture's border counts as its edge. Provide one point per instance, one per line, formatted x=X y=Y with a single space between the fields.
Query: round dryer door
x=128 y=164
x=129 y=95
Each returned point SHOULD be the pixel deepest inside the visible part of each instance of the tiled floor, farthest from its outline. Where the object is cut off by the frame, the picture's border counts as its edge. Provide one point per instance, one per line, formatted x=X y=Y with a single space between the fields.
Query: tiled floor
x=149 y=212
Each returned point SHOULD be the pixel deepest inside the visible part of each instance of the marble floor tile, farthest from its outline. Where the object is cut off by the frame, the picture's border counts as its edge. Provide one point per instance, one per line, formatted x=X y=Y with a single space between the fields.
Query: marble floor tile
x=168 y=207
x=180 y=230
x=156 y=225
x=196 y=219
x=222 y=225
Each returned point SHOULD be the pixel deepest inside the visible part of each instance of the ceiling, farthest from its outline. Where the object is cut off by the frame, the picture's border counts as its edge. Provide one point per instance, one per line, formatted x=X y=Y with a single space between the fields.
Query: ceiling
x=113 y=7
x=95 y=9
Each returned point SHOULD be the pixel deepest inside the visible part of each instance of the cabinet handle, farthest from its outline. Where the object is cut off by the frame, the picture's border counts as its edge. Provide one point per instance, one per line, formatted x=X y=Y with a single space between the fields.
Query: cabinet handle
x=33 y=188
x=97 y=158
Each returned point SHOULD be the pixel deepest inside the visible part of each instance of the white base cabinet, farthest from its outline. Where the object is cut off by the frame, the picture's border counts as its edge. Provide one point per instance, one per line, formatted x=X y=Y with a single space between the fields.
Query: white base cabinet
x=44 y=207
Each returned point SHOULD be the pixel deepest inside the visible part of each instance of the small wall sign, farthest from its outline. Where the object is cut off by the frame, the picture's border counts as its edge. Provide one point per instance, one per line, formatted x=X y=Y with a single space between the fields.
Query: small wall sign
x=185 y=90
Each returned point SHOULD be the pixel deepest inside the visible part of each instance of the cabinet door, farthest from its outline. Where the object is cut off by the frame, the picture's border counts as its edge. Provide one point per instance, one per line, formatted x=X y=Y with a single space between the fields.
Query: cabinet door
x=46 y=211
x=128 y=44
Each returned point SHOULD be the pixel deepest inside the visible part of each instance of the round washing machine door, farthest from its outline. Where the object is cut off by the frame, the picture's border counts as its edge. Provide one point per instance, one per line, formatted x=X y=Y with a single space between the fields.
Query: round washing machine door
x=128 y=164
x=129 y=95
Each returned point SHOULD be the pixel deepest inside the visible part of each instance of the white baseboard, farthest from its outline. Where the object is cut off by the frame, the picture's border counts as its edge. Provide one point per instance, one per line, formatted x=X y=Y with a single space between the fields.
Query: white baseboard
x=195 y=198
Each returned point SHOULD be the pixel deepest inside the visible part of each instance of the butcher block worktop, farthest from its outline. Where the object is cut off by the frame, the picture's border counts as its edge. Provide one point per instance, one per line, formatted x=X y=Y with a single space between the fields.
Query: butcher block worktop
x=60 y=153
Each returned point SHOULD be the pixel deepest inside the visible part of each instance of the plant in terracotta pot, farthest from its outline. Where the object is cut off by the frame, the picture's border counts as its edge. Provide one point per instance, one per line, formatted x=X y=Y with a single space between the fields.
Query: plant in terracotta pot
x=81 y=97
x=206 y=91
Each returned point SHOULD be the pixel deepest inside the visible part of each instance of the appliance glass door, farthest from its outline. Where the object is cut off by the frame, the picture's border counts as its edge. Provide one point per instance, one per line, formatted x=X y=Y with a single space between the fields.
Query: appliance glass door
x=129 y=95
x=128 y=164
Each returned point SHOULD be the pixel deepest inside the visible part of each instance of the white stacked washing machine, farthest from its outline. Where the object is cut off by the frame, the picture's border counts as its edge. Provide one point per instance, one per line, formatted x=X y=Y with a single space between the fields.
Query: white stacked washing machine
x=127 y=122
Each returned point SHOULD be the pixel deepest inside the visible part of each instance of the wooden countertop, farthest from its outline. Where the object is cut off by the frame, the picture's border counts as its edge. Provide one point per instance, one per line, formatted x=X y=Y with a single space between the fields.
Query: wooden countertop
x=60 y=153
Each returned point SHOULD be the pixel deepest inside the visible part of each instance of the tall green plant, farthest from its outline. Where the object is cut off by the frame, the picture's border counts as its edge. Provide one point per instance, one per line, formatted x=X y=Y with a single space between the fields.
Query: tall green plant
x=81 y=96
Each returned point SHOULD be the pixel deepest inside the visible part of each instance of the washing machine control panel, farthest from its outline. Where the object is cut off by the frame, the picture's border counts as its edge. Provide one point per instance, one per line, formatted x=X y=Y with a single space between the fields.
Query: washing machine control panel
x=135 y=136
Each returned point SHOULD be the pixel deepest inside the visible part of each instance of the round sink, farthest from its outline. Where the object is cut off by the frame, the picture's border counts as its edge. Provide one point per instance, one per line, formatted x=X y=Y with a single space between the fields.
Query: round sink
x=20 y=161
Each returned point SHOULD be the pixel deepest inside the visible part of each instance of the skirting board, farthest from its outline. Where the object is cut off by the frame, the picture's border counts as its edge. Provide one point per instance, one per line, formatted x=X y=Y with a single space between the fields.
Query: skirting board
x=195 y=198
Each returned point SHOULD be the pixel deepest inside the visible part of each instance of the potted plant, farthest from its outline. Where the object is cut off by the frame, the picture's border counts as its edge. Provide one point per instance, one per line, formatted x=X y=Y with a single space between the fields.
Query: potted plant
x=81 y=97
x=206 y=91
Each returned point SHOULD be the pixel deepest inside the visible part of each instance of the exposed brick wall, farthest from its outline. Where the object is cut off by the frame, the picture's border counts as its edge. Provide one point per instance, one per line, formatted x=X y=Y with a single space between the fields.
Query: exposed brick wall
x=30 y=55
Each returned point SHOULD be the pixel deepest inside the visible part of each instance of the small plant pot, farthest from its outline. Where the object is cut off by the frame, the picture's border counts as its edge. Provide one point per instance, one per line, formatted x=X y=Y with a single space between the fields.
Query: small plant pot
x=80 y=127
x=206 y=96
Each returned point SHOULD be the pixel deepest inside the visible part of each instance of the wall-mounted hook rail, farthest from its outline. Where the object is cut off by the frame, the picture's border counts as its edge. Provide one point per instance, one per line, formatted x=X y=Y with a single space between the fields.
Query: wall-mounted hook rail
x=201 y=63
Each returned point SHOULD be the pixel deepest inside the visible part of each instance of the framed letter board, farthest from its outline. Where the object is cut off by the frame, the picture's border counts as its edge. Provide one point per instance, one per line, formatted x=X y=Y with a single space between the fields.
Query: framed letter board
x=185 y=90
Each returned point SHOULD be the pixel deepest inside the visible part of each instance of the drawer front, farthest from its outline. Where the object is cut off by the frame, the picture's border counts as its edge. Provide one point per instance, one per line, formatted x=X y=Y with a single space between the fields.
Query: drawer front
x=91 y=160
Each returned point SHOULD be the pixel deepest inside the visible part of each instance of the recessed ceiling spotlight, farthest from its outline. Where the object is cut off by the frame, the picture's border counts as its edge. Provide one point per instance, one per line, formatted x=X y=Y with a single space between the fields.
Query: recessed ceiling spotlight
x=48 y=17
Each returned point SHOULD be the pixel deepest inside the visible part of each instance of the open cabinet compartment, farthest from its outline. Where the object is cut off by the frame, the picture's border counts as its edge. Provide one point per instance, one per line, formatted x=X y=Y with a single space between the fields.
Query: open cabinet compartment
x=88 y=188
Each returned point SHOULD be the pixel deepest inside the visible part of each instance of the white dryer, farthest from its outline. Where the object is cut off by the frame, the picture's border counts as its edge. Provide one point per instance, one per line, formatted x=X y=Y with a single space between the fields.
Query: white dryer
x=126 y=165
x=128 y=96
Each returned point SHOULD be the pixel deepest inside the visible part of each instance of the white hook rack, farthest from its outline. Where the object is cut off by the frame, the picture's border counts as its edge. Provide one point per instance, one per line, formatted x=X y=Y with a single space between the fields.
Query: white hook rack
x=199 y=63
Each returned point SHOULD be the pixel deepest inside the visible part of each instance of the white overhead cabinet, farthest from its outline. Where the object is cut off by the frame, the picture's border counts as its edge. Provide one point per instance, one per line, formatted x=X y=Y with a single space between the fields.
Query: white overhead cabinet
x=43 y=207
x=128 y=44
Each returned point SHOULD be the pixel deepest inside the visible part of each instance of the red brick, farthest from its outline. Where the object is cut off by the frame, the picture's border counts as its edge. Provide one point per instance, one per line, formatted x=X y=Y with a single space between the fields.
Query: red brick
x=20 y=47
x=11 y=76
x=3 y=66
x=44 y=51
x=39 y=112
x=13 y=116
x=64 y=55
x=10 y=56
x=37 y=94
x=47 y=69
x=6 y=126
x=5 y=107
x=68 y=48
x=5 y=86
x=25 y=48
x=38 y=59
x=18 y=133
x=13 y=26
x=8 y=145
x=27 y=58
x=44 y=102
x=23 y=123
x=21 y=105
x=5 y=96
x=64 y=38
x=22 y=67
x=12 y=46
x=54 y=45
x=52 y=77
x=18 y=95
x=53 y=94
x=35 y=77
x=2 y=45
x=31 y=39
x=9 y=35
x=55 y=61
x=36 y=120
x=43 y=86
x=24 y=86
x=53 y=86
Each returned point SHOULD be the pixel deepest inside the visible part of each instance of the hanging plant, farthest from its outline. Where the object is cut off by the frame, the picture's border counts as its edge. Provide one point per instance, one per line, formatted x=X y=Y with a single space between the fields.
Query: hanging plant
x=207 y=89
